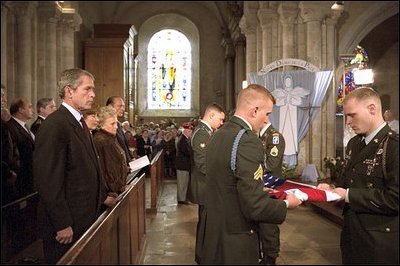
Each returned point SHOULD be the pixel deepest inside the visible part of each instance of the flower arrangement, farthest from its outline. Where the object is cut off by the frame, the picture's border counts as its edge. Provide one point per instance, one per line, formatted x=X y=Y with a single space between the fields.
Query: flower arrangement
x=335 y=166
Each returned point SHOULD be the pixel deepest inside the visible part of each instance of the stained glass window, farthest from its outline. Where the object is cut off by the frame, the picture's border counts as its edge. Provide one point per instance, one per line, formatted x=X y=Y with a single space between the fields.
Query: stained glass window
x=169 y=63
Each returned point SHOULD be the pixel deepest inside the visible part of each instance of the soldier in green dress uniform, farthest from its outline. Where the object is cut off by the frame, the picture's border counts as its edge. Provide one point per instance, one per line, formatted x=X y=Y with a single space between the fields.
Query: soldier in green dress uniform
x=212 y=119
x=234 y=198
x=370 y=184
x=274 y=147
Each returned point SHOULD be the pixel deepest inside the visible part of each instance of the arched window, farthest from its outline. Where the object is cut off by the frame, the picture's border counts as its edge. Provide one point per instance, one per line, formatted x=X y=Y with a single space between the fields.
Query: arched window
x=169 y=69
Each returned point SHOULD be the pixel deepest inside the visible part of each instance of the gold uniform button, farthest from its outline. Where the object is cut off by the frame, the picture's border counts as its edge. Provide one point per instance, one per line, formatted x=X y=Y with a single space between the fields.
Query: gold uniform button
x=251 y=231
x=351 y=181
x=370 y=185
x=387 y=229
x=353 y=169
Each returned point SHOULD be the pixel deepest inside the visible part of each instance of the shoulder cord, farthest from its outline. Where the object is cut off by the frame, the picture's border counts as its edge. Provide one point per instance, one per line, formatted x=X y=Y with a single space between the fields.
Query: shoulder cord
x=384 y=157
x=235 y=147
x=193 y=134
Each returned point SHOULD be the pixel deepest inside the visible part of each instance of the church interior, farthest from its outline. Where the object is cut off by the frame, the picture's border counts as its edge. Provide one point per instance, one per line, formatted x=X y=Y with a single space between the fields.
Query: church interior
x=220 y=46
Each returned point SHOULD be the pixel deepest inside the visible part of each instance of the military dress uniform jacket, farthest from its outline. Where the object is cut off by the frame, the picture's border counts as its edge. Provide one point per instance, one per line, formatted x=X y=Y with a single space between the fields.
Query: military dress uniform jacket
x=234 y=200
x=371 y=218
x=274 y=147
x=199 y=141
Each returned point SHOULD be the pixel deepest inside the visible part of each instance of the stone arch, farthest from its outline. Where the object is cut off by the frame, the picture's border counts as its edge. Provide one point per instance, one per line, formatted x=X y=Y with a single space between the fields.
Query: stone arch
x=376 y=14
x=146 y=31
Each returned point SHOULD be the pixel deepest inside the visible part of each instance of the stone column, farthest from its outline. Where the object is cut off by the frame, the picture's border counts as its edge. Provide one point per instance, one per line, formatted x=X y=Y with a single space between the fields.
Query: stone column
x=313 y=13
x=248 y=24
x=229 y=57
x=47 y=42
x=69 y=23
x=240 y=66
x=24 y=11
x=4 y=16
x=287 y=16
x=330 y=106
x=259 y=48
x=51 y=59
x=301 y=39
x=266 y=16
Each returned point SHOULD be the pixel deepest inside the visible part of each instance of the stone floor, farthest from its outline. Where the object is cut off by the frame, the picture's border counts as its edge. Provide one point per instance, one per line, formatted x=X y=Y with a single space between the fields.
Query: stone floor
x=307 y=238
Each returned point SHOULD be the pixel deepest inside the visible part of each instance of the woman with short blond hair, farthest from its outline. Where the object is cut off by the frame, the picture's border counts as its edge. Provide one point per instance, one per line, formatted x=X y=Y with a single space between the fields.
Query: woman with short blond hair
x=111 y=156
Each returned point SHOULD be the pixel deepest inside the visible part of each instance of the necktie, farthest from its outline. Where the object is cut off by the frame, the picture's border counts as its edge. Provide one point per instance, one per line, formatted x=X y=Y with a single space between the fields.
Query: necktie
x=362 y=144
x=29 y=131
x=86 y=129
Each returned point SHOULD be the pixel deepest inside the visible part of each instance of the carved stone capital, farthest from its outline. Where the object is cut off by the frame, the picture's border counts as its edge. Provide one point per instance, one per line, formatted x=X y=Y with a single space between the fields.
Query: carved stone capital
x=48 y=11
x=314 y=10
x=70 y=21
x=23 y=8
x=246 y=27
x=227 y=43
x=248 y=23
x=288 y=12
x=239 y=41
x=334 y=17
x=266 y=16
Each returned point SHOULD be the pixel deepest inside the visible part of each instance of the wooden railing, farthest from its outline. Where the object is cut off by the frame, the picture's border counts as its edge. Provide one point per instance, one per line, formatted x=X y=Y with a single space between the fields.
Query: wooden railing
x=18 y=225
x=119 y=234
x=156 y=174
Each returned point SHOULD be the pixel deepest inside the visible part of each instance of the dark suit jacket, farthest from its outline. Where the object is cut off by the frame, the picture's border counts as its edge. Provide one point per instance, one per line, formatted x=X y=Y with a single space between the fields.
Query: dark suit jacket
x=66 y=173
x=35 y=126
x=182 y=160
x=199 y=141
x=25 y=145
x=9 y=163
x=371 y=218
x=235 y=201
x=123 y=142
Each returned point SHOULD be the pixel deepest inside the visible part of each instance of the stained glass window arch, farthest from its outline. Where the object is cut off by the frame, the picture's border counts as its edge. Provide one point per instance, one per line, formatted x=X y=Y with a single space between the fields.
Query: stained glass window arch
x=169 y=71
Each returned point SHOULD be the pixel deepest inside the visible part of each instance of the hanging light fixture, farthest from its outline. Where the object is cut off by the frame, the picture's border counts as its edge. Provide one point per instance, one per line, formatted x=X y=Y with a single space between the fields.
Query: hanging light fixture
x=363 y=76
x=244 y=84
x=338 y=5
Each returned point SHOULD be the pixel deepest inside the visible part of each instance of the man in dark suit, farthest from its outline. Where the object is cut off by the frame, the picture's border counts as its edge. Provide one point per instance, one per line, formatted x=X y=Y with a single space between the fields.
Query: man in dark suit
x=118 y=103
x=66 y=169
x=234 y=198
x=274 y=148
x=9 y=156
x=44 y=107
x=212 y=119
x=21 y=111
x=370 y=184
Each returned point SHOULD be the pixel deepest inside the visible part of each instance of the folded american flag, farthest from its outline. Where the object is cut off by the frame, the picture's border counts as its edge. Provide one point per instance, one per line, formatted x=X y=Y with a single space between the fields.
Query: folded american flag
x=281 y=187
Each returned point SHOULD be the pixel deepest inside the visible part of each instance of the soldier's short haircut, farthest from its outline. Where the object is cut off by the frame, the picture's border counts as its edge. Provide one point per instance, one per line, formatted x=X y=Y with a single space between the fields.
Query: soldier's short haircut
x=213 y=107
x=362 y=94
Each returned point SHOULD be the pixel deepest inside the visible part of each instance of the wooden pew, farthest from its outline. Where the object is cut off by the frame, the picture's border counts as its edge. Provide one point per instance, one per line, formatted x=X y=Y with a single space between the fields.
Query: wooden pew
x=118 y=236
x=156 y=174
x=18 y=226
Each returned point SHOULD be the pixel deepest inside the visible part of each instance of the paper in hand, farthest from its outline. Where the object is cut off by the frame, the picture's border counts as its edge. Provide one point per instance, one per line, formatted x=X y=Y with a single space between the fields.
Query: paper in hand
x=139 y=163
